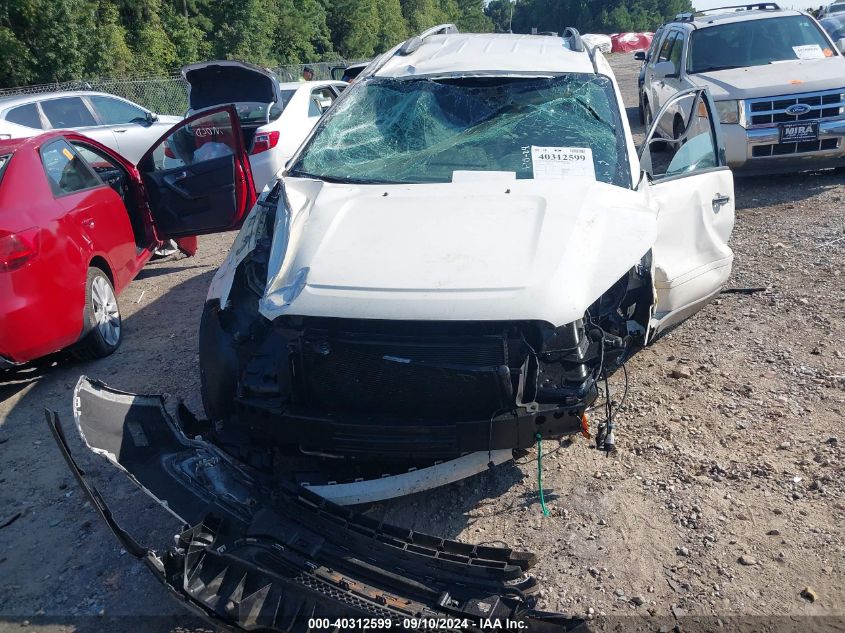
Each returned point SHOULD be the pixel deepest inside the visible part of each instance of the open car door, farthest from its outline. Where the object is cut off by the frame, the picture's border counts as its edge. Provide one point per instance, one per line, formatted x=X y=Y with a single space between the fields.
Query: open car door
x=197 y=178
x=689 y=179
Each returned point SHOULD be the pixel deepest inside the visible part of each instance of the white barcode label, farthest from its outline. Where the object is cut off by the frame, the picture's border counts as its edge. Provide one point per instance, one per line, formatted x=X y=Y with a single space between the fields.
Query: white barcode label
x=555 y=163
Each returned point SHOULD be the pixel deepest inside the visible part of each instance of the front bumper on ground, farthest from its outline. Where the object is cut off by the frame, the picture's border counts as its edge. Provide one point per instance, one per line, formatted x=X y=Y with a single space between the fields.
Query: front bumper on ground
x=267 y=555
x=740 y=144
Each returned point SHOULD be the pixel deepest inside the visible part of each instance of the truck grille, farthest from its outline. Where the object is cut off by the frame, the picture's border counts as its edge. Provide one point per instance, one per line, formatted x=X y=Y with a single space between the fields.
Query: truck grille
x=772 y=110
x=445 y=378
x=786 y=149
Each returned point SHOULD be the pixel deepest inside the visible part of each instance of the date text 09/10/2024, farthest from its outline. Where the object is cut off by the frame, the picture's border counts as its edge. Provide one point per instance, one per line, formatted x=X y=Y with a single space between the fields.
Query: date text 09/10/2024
x=413 y=624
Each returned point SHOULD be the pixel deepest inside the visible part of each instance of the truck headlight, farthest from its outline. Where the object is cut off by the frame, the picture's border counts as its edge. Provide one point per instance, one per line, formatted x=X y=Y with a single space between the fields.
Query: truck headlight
x=732 y=111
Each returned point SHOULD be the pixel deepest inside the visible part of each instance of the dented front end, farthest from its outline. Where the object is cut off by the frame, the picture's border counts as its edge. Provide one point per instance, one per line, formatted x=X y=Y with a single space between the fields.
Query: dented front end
x=260 y=553
x=389 y=390
x=333 y=375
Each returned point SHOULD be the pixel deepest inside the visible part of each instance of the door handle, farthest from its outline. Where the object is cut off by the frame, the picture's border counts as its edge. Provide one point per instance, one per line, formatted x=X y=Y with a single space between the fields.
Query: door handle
x=120 y=131
x=719 y=201
x=88 y=223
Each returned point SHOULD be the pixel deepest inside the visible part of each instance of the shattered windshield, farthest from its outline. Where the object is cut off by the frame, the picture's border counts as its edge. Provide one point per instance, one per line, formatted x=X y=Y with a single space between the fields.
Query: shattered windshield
x=422 y=130
x=756 y=43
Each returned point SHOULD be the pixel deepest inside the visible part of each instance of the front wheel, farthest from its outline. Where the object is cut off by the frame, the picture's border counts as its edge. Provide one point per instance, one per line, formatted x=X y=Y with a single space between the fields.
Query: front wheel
x=678 y=131
x=101 y=318
x=655 y=145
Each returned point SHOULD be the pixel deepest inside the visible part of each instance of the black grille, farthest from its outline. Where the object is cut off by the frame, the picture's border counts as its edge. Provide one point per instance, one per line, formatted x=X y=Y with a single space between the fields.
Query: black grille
x=438 y=377
x=762 y=112
x=785 y=149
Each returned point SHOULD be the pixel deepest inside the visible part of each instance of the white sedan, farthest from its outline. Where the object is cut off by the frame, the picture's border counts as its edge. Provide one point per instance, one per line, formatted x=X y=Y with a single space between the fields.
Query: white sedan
x=275 y=118
x=117 y=123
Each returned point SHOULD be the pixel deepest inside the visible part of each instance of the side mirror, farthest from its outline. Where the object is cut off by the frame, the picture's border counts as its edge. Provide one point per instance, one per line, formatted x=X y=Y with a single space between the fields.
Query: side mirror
x=639 y=56
x=664 y=69
x=152 y=117
x=840 y=44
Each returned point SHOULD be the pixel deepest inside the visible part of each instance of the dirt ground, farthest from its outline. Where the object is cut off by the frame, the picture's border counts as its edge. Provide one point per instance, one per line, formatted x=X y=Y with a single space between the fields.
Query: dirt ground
x=726 y=496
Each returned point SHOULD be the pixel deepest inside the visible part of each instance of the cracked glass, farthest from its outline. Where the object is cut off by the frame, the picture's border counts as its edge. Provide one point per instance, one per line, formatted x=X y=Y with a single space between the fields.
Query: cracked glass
x=422 y=130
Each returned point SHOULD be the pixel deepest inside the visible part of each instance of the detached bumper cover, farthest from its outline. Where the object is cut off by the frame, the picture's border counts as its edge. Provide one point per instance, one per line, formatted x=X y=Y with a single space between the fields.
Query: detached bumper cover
x=265 y=554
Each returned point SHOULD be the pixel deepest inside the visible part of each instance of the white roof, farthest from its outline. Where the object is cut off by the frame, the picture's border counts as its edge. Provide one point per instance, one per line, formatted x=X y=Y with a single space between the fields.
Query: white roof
x=486 y=52
x=295 y=85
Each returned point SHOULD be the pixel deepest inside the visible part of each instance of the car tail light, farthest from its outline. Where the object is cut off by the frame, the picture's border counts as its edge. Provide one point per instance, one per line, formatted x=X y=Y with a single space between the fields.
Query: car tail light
x=264 y=141
x=16 y=249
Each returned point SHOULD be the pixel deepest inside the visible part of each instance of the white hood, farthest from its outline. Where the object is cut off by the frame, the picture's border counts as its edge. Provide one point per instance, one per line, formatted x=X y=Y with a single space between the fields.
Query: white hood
x=538 y=250
x=782 y=78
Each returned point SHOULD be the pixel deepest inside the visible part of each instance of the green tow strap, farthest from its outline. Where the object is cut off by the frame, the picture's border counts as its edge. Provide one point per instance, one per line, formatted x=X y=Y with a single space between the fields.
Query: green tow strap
x=540 y=474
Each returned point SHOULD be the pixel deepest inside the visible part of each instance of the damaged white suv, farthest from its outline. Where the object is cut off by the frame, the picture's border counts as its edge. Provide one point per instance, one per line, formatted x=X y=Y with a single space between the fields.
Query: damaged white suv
x=465 y=246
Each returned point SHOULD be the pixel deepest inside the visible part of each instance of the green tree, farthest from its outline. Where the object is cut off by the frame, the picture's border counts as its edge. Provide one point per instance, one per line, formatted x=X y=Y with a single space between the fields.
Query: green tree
x=355 y=26
x=471 y=17
x=109 y=53
x=188 y=36
x=17 y=64
x=247 y=31
x=422 y=14
x=499 y=12
x=302 y=34
x=31 y=40
x=392 y=28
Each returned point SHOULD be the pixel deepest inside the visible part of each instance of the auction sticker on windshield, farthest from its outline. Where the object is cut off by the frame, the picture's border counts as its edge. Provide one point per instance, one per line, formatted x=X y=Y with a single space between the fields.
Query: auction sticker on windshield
x=808 y=51
x=554 y=163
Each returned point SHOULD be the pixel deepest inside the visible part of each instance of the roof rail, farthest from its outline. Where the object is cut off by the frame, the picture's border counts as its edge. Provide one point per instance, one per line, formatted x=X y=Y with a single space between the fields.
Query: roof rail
x=573 y=37
x=755 y=6
x=409 y=46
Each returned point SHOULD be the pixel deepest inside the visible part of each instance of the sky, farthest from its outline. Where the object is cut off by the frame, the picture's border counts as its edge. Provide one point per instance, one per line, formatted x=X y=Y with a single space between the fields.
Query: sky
x=784 y=4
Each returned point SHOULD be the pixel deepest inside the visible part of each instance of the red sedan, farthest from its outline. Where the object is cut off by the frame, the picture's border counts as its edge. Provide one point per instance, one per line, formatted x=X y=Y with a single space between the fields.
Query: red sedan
x=78 y=221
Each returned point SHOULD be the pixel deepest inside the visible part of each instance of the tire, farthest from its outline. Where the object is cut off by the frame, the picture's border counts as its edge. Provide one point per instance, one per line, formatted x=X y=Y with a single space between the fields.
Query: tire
x=102 y=326
x=678 y=129
x=641 y=111
x=656 y=146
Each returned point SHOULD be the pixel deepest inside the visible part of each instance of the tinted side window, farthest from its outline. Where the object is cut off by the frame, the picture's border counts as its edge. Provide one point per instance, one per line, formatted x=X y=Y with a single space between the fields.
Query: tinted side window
x=203 y=139
x=4 y=160
x=67 y=112
x=677 y=49
x=65 y=170
x=117 y=112
x=667 y=47
x=321 y=99
x=26 y=115
x=655 y=42
x=692 y=146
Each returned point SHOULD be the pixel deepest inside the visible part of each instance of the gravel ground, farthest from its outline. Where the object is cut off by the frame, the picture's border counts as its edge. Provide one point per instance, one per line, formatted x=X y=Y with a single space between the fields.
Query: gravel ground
x=724 y=499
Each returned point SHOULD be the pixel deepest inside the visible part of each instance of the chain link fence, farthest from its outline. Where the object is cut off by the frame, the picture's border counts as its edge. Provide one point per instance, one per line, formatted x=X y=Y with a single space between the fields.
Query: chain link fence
x=164 y=95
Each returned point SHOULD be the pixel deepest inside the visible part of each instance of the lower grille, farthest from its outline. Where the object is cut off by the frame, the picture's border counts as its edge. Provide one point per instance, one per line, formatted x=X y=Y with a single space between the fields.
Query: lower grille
x=785 y=149
x=444 y=378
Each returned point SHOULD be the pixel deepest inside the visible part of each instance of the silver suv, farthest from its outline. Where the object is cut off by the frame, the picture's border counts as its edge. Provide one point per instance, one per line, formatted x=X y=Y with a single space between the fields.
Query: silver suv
x=777 y=78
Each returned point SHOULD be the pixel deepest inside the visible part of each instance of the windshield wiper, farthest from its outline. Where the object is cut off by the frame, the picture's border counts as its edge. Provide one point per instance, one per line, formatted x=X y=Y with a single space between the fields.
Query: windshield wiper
x=342 y=180
x=710 y=69
x=593 y=112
